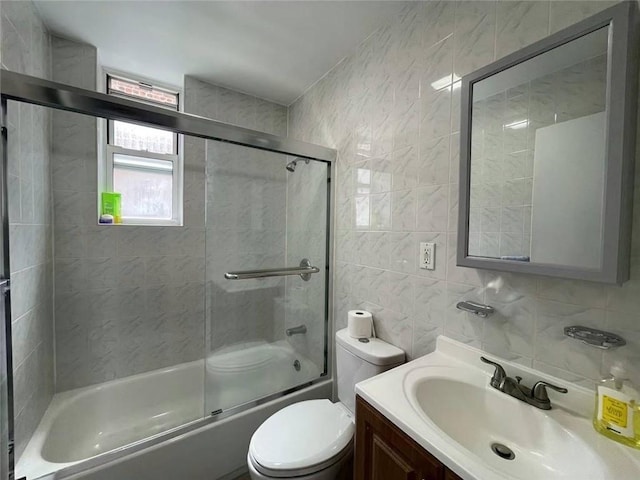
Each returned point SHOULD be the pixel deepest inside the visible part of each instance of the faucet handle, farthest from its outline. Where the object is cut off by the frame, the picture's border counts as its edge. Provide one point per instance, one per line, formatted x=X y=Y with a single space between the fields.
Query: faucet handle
x=498 y=375
x=539 y=390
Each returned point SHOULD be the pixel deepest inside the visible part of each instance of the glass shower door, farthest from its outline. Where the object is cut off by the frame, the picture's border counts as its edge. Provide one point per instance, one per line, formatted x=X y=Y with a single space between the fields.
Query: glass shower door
x=266 y=330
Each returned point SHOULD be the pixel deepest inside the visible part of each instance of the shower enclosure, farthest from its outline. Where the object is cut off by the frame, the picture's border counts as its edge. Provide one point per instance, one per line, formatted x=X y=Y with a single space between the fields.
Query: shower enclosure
x=156 y=330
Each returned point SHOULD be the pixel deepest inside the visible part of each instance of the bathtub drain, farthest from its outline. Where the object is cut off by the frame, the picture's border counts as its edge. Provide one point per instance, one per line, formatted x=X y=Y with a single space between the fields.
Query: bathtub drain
x=296 y=365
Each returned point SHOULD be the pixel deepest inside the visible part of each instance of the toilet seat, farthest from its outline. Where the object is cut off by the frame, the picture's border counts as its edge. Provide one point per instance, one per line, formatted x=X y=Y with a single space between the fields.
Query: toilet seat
x=309 y=472
x=302 y=439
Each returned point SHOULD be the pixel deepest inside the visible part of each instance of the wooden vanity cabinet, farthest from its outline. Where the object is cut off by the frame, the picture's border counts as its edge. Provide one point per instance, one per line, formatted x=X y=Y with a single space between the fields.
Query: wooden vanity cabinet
x=384 y=452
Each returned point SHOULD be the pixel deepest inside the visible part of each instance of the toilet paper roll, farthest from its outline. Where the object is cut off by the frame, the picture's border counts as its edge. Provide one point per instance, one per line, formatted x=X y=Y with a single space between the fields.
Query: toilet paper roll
x=359 y=324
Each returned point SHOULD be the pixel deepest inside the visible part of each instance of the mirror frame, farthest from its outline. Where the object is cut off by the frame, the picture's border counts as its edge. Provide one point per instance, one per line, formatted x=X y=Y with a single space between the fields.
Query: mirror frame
x=621 y=99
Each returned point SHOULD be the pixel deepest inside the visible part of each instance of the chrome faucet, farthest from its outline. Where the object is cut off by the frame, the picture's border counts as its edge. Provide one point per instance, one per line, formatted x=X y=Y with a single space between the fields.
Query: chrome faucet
x=300 y=329
x=535 y=396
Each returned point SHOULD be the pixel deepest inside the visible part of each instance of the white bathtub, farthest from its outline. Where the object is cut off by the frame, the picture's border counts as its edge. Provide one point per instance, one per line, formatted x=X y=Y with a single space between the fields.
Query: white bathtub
x=88 y=422
x=246 y=372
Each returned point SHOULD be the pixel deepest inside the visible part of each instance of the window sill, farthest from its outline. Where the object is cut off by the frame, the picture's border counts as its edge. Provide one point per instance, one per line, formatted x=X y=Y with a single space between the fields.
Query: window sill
x=143 y=223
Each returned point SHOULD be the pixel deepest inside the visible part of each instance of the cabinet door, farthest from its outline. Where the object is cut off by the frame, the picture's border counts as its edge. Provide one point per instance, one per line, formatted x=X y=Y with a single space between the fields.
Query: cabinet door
x=449 y=475
x=386 y=463
x=384 y=452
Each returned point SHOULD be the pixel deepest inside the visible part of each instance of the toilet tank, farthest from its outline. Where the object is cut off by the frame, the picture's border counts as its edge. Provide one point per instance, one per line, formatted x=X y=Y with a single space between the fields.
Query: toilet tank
x=357 y=361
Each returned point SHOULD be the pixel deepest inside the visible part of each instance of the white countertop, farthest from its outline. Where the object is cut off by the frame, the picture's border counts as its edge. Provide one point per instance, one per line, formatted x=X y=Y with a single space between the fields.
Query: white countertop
x=387 y=393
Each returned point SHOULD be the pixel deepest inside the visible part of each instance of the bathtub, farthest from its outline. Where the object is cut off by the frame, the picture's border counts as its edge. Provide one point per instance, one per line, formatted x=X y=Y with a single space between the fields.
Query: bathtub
x=248 y=371
x=99 y=422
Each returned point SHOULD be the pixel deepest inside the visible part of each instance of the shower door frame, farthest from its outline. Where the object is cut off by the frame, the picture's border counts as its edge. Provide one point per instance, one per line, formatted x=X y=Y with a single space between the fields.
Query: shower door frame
x=7 y=443
x=37 y=91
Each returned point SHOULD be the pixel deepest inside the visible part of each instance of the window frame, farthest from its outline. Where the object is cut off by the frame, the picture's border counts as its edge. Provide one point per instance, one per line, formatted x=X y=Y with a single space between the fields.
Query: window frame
x=111 y=129
x=176 y=187
x=109 y=150
x=136 y=79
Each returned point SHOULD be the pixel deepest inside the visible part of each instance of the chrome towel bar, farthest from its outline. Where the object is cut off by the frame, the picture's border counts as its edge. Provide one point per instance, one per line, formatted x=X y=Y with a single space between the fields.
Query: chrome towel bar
x=304 y=270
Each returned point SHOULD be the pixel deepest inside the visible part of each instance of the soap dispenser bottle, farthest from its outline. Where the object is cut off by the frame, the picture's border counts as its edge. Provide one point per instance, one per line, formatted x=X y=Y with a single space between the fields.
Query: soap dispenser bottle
x=617 y=414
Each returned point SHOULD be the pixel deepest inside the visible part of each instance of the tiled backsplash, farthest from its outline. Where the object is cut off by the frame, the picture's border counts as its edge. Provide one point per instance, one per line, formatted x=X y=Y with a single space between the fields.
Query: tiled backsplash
x=397 y=186
x=26 y=49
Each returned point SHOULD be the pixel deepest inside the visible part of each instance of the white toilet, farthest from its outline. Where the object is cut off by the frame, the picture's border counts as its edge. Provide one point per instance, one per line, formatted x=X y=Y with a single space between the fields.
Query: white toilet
x=313 y=440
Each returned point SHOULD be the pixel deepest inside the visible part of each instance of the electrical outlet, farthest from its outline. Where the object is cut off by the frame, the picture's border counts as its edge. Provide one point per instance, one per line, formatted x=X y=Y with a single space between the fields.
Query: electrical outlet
x=427 y=255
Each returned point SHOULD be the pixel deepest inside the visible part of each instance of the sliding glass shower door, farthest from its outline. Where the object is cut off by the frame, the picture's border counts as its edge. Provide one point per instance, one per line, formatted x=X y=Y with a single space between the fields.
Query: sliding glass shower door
x=157 y=329
x=6 y=381
x=266 y=273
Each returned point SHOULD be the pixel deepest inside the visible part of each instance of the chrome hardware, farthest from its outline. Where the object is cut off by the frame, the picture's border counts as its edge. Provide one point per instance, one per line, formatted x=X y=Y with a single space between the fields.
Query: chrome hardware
x=296 y=365
x=304 y=270
x=594 y=337
x=498 y=376
x=535 y=396
x=38 y=91
x=539 y=393
x=513 y=388
x=299 y=330
x=305 y=263
x=478 y=309
x=291 y=166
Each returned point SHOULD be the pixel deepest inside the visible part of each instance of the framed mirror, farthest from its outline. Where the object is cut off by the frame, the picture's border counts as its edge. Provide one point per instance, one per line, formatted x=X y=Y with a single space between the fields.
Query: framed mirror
x=547 y=154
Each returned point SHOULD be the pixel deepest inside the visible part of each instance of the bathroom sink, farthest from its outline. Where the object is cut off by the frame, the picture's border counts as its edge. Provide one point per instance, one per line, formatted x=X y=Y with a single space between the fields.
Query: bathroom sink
x=448 y=407
x=479 y=418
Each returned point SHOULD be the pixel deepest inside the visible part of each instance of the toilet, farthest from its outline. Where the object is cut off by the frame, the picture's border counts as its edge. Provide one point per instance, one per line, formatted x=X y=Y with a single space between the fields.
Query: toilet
x=313 y=440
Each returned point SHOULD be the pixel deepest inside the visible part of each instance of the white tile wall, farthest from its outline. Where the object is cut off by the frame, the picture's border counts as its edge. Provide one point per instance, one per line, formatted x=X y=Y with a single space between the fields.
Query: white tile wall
x=396 y=136
x=132 y=299
x=246 y=222
x=26 y=49
x=306 y=221
x=245 y=195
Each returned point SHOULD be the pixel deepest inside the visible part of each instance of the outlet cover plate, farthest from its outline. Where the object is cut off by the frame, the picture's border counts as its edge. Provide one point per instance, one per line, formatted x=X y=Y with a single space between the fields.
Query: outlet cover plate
x=427 y=255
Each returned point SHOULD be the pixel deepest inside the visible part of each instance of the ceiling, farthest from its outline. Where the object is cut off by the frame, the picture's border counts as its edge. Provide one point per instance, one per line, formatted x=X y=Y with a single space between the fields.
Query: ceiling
x=271 y=49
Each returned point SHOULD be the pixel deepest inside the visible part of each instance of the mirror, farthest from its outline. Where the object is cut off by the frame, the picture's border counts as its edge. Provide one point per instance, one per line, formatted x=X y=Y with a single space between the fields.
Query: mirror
x=547 y=189
x=537 y=157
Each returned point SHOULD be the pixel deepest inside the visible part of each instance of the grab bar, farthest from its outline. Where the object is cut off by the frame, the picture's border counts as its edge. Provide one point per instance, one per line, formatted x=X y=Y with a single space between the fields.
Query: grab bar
x=304 y=270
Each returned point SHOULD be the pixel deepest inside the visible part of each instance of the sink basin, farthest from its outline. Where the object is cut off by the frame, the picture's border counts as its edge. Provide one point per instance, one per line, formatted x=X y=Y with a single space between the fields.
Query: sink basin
x=449 y=408
x=478 y=417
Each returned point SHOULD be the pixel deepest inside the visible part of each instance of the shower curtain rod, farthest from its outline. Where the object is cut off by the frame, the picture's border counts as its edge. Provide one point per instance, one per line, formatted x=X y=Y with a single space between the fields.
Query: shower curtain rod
x=38 y=91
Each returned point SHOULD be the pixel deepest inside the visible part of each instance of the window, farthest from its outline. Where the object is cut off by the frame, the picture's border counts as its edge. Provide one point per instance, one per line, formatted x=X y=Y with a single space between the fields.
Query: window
x=143 y=163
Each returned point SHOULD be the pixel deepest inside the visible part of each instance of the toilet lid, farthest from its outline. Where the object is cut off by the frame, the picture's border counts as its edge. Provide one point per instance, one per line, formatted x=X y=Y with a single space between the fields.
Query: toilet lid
x=302 y=435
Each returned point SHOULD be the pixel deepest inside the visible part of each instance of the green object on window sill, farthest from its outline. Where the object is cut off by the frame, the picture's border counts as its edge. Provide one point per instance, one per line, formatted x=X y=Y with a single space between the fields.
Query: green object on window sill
x=112 y=205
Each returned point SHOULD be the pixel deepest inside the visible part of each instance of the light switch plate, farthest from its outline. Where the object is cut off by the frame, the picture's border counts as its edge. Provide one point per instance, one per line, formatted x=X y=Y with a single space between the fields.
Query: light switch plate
x=427 y=255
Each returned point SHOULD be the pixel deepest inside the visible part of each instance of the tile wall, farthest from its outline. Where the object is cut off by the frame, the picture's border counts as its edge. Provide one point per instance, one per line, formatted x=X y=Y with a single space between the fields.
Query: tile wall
x=245 y=222
x=397 y=186
x=258 y=215
x=26 y=49
x=130 y=299
x=306 y=238
x=246 y=230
